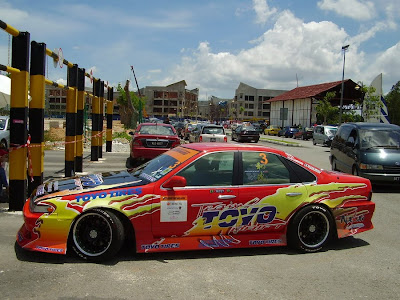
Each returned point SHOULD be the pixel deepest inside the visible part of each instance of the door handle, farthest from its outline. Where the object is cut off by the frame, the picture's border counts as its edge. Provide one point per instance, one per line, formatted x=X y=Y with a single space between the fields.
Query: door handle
x=293 y=194
x=226 y=197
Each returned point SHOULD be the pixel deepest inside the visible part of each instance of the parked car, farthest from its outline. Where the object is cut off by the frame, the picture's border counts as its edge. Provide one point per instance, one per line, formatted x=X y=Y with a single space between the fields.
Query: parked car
x=272 y=130
x=258 y=127
x=324 y=134
x=150 y=140
x=195 y=133
x=188 y=129
x=212 y=133
x=5 y=131
x=198 y=196
x=370 y=150
x=305 y=133
x=245 y=132
x=180 y=129
x=288 y=131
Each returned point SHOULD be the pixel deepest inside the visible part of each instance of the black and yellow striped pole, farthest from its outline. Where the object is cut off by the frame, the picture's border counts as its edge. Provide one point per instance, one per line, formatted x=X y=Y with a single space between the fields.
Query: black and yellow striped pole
x=101 y=119
x=18 y=121
x=70 y=126
x=94 y=151
x=79 y=120
x=110 y=107
x=36 y=113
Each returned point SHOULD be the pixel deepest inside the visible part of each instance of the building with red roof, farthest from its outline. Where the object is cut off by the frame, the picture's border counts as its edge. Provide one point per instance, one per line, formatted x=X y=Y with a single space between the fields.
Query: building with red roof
x=299 y=105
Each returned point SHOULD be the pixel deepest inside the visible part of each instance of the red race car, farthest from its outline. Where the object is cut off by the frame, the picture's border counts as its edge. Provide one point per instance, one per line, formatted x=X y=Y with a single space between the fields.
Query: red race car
x=198 y=196
x=150 y=140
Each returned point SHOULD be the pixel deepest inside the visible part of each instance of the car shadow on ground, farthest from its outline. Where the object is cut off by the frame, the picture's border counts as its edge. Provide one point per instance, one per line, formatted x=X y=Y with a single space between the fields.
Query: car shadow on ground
x=126 y=253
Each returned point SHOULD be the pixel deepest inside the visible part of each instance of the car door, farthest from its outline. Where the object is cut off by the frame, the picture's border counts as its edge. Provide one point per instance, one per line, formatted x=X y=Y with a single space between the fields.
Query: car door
x=202 y=207
x=271 y=191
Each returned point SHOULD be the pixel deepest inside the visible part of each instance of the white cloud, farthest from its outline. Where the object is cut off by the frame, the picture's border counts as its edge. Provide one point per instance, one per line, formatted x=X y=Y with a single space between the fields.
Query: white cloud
x=312 y=50
x=386 y=63
x=263 y=11
x=355 y=9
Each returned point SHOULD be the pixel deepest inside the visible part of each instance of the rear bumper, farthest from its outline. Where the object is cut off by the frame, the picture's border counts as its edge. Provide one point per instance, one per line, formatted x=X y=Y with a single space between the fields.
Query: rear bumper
x=147 y=153
x=352 y=219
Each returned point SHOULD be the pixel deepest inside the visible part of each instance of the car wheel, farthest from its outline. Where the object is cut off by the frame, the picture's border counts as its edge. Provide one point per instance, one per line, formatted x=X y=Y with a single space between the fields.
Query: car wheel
x=97 y=235
x=314 y=142
x=310 y=229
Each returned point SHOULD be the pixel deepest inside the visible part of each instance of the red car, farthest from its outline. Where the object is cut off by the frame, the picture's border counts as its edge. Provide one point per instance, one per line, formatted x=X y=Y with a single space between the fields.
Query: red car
x=198 y=196
x=150 y=140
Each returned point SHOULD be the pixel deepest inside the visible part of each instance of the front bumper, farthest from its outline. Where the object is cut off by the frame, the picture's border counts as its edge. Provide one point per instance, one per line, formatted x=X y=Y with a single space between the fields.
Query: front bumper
x=43 y=232
x=382 y=178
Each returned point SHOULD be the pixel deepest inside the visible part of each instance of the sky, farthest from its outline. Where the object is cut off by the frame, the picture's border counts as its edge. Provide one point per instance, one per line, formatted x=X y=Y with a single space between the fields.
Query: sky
x=214 y=44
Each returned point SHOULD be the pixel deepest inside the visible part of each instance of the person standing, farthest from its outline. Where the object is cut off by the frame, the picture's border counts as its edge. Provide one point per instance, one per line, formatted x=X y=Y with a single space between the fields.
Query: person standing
x=3 y=175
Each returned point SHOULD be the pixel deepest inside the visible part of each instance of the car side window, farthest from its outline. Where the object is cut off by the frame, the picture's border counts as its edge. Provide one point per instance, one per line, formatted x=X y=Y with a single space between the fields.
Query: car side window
x=215 y=169
x=263 y=168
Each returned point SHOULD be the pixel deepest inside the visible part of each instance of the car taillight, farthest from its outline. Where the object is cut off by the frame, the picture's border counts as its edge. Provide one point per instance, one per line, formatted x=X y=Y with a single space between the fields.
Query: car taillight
x=176 y=144
x=201 y=139
x=137 y=142
x=225 y=139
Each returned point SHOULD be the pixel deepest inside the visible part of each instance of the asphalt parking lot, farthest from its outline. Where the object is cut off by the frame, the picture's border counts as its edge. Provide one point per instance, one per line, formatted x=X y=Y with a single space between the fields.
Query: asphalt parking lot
x=366 y=266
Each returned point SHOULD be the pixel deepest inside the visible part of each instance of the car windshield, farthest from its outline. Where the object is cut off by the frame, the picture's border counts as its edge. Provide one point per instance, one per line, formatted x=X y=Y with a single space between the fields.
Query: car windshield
x=213 y=130
x=2 y=124
x=380 y=138
x=160 y=166
x=330 y=131
x=156 y=130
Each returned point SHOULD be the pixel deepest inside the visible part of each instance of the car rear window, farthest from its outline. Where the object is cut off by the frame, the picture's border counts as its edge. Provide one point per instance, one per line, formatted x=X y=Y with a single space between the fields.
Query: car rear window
x=213 y=130
x=156 y=130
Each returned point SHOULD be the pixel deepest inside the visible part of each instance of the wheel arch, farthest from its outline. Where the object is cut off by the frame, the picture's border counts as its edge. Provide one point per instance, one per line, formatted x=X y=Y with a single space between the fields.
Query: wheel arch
x=128 y=226
x=334 y=229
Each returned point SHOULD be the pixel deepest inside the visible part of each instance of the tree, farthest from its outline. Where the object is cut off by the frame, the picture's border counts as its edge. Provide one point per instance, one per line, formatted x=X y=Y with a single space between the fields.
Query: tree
x=393 y=104
x=371 y=103
x=129 y=104
x=325 y=108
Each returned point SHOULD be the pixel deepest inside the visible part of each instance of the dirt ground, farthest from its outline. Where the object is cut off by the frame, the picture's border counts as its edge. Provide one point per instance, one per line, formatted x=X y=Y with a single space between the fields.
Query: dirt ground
x=58 y=134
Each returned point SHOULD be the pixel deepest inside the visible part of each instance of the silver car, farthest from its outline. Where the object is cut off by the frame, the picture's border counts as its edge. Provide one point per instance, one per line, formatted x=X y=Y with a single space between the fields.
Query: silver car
x=5 y=130
x=213 y=133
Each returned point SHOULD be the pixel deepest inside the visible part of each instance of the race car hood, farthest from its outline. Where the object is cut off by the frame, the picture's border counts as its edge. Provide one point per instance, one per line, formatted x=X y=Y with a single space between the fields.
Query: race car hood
x=98 y=181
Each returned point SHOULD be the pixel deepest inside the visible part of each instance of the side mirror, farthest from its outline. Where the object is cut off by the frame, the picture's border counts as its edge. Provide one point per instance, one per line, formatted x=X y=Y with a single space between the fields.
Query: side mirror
x=175 y=181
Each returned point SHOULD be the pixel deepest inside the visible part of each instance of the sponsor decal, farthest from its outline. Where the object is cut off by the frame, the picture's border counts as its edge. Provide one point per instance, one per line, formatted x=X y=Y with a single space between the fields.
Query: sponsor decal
x=104 y=194
x=49 y=249
x=173 y=209
x=265 y=242
x=224 y=241
x=160 y=246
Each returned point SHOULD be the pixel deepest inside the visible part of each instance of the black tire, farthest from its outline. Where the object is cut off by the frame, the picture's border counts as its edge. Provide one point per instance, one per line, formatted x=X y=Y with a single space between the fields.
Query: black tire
x=314 y=142
x=311 y=229
x=129 y=163
x=97 y=235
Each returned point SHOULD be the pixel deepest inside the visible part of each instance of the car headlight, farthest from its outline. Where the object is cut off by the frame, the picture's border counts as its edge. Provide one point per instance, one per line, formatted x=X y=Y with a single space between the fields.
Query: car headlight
x=40 y=206
x=370 y=167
